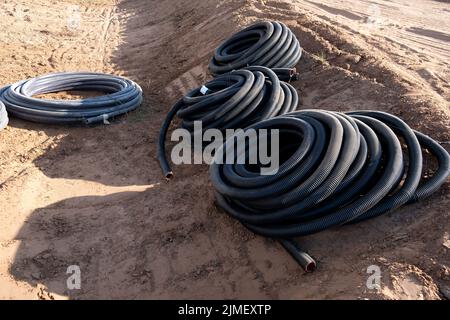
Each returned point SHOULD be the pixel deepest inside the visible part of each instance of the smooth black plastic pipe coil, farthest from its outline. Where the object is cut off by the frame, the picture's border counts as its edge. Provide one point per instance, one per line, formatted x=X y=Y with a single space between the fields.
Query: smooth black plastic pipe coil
x=233 y=100
x=122 y=95
x=3 y=116
x=269 y=44
x=338 y=168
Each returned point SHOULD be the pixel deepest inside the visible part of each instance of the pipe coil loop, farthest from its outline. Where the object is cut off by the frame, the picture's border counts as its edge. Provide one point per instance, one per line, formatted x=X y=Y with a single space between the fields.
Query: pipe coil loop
x=233 y=100
x=270 y=44
x=123 y=95
x=337 y=168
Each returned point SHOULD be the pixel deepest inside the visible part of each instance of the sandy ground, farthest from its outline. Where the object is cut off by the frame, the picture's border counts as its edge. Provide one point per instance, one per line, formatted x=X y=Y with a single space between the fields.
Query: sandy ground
x=95 y=197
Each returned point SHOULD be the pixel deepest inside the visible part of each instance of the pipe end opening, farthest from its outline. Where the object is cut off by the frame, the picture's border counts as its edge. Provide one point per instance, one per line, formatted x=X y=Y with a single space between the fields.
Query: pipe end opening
x=169 y=175
x=310 y=267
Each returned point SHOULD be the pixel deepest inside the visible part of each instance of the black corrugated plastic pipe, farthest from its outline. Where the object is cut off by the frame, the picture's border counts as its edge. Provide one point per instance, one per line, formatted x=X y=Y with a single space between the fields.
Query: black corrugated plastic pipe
x=268 y=43
x=340 y=168
x=233 y=100
x=122 y=95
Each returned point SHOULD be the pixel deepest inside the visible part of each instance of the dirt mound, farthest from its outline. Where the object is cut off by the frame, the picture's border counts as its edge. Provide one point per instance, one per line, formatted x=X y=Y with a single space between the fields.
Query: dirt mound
x=95 y=197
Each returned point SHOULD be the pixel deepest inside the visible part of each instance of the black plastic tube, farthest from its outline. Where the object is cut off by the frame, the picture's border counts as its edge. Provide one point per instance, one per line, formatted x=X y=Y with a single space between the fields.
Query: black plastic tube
x=122 y=95
x=3 y=116
x=268 y=43
x=338 y=169
x=233 y=100
x=286 y=74
x=305 y=260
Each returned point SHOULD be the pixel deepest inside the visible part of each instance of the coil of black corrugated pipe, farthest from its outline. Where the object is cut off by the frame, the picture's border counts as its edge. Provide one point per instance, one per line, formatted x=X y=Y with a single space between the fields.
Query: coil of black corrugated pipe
x=3 y=116
x=336 y=169
x=122 y=96
x=233 y=100
x=270 y=44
